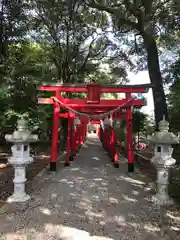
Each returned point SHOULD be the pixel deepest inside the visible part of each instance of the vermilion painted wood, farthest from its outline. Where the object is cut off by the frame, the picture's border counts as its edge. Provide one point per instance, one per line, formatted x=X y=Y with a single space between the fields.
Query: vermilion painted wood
x=103 y=89
x=115 y=148
x=68 y=143
x=63 y=115
x=93 y=105
x=77 y=137
x=99 y=132
x=82 y=136
x=55 y=133
x=104 y=104
x=93 y=93
x=73 y=141
x=109 y=142
x=129 y=133
x=112 y=143
x=84 y=128
x=95 y=121
x=80 y=133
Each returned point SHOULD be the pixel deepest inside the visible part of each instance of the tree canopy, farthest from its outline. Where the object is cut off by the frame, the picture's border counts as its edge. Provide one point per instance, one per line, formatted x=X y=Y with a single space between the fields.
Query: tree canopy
x=79 y=41
x=147 y=21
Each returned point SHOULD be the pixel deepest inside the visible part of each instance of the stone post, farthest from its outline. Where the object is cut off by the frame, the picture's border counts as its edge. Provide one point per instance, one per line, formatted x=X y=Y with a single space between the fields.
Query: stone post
x=163 y=160
x=20 y=158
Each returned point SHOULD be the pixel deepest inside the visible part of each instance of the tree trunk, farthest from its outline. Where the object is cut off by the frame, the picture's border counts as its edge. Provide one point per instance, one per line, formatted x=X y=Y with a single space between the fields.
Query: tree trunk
x=160 y=105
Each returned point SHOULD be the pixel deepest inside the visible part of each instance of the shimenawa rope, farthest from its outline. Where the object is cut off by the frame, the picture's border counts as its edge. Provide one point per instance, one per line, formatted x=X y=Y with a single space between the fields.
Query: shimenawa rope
x=92 y=115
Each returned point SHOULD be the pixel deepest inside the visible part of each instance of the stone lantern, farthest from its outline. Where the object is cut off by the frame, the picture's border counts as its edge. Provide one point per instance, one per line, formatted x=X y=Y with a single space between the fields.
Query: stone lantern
x=163 y=161
x=20 y=158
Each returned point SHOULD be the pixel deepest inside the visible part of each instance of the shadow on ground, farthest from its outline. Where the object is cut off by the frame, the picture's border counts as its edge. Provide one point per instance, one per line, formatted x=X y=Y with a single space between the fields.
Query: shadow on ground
x=89 y=200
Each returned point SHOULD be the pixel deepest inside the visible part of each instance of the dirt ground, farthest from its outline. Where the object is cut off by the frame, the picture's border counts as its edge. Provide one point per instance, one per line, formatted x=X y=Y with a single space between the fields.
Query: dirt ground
x=42 y=158
x=147 y=168
x=41 y=151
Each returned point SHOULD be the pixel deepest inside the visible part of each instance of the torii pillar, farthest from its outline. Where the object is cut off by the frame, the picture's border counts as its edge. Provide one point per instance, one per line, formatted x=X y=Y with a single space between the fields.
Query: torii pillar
x=129 y=136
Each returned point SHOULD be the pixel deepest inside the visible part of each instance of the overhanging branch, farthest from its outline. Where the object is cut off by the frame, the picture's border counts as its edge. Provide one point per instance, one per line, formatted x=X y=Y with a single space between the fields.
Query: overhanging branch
x=113 y=11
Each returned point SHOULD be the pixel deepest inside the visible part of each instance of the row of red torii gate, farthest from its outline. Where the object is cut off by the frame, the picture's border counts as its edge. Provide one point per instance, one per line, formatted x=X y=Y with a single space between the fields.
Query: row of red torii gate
x=93 y=108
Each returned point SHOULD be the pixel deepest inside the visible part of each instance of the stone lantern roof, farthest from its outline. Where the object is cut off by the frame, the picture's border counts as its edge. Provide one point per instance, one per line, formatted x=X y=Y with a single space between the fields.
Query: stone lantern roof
x=22 y=134
x=164 y=136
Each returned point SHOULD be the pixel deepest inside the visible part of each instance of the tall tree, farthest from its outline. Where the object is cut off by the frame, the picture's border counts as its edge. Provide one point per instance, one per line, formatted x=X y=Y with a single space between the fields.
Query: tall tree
x=174 y=105
x=14 y=24
x=147 y=20
x=27 y=67
x=173 y=77
x=74 y=35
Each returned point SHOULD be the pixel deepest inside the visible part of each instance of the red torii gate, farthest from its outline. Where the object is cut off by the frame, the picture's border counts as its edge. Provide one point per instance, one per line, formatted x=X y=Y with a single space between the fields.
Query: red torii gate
x=92 y=104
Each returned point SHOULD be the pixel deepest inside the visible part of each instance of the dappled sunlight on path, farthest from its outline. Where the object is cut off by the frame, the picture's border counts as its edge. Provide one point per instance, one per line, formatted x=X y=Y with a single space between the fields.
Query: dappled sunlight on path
x=88 y=200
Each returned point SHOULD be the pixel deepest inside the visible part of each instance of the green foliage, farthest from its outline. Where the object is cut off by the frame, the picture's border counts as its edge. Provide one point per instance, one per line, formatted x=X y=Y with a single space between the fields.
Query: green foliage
x=71 y=31
x=66 y=41
x=148 y=126
x=172 y=77
x=121 y=134
x=141 y=123
x=174 y=105
x=141 y=26
x=138 y=121
x=134 y=20
x=45 y=42
x=25 y=69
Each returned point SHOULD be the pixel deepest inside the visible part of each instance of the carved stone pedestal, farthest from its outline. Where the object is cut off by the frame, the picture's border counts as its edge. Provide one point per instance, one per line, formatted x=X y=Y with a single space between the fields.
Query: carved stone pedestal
x=162 y=197
x=19 y=181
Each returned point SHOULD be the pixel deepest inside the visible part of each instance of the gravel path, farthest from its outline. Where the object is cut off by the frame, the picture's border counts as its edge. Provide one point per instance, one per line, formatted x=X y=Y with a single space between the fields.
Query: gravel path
x=90 y=200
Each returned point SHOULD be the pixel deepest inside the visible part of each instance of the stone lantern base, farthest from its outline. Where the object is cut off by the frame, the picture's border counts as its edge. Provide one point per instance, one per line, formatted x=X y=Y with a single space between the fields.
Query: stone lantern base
x=159 y=200
x=162 y=197
x=18 y=198
x=19 y=180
